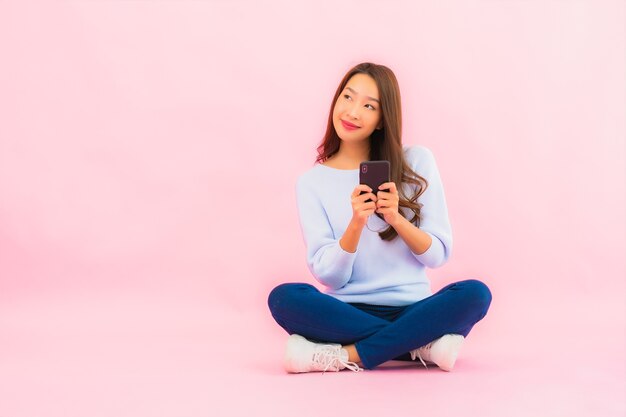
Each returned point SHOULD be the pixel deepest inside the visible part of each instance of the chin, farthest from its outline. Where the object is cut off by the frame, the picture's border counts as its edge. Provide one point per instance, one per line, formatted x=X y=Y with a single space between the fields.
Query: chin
x=348 y=138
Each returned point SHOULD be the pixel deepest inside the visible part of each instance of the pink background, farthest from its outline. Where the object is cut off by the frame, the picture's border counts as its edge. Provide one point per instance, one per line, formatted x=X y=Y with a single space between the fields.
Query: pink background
x=148 y=157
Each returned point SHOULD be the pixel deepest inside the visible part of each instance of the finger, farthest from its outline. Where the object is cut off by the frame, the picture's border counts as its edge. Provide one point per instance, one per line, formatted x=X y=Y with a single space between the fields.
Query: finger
x=392 y=198
x=385 y=195
x=364 y=197
x=390 y=201
x=390 y=186
x=385 y=210
x=366 y=206
x=368 y=212
x=386 y=204
x=371 y=205
x=389 y=208
x=361 y=188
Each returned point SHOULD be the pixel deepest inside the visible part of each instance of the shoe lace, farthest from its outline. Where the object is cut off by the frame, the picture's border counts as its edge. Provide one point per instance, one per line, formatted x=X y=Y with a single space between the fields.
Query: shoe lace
x=415 y=353
x=328 y=356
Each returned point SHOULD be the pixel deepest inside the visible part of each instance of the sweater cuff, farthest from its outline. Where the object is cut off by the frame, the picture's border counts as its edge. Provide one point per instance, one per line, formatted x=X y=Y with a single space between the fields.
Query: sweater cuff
x=434 y=255
x=335 y=269
x=344 y=258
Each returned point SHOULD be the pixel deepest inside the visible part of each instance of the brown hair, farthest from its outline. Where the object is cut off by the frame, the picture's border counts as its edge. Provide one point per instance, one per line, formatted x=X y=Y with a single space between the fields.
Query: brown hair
x=385 y=144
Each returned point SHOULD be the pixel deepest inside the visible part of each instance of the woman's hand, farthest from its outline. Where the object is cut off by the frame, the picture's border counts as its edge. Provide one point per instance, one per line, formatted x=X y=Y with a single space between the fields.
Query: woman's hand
x=361 y=209
x=387 y=203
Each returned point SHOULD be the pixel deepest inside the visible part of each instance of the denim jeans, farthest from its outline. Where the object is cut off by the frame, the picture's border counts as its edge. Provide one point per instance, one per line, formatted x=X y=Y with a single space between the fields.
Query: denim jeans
x=379 y=333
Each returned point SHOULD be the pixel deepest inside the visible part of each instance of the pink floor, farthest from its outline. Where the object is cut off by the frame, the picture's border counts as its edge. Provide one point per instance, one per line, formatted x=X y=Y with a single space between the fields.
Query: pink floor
x=133 y=354
x=149 y=152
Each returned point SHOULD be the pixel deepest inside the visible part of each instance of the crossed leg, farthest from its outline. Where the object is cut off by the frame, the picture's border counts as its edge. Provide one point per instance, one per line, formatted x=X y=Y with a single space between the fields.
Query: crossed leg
x=369 y=339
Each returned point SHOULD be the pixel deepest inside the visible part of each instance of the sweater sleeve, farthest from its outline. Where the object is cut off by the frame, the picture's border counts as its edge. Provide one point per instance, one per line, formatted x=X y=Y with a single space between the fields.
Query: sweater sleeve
x=434 y=209
x=328 y=262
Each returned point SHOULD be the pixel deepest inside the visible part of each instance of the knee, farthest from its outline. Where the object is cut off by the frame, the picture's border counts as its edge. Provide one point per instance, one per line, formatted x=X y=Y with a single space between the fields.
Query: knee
x=284 y=293
x=478 y=293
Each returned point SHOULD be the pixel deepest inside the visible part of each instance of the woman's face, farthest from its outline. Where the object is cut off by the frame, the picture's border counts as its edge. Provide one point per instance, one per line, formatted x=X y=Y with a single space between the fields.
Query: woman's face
x=357 y=110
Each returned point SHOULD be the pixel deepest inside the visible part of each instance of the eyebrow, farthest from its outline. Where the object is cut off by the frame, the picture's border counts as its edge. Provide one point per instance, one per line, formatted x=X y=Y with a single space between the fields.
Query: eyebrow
x=371 y=98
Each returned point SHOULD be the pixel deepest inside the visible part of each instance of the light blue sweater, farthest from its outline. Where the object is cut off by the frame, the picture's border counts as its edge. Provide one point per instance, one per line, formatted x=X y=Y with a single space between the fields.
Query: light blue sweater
x=379 y=272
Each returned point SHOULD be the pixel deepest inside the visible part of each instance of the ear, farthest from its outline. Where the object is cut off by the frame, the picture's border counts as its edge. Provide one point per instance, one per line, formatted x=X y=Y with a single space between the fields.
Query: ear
x=380 y=126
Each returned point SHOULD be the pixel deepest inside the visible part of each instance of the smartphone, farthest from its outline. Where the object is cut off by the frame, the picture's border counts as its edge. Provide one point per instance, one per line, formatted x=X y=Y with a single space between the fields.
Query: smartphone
x=374 y=174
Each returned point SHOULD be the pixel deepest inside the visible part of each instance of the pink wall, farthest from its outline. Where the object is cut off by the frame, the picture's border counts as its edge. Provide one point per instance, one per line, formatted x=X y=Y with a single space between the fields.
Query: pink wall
x=148 y=156
x=154 y=146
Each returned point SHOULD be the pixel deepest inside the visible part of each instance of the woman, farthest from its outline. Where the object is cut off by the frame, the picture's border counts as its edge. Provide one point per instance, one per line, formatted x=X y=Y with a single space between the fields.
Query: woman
x=370 y=248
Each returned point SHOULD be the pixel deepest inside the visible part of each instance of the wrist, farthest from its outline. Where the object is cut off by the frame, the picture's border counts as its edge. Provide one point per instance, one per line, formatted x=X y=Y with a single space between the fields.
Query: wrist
x=357 y=223
x=397 y=221
x=350 y=239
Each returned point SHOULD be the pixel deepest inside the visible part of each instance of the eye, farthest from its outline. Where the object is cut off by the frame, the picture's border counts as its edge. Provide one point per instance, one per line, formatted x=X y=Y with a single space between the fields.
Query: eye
x=370 y=107
x=347 y=97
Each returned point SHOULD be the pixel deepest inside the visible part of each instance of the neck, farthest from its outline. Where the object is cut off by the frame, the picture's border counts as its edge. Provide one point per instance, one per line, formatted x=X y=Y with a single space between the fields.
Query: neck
x=354 y=152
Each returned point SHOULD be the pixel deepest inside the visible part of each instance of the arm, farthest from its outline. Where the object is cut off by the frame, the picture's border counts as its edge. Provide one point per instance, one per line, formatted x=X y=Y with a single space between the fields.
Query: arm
x=330 y=259
x=431 y=242
x=417 y=240
x=360 y=213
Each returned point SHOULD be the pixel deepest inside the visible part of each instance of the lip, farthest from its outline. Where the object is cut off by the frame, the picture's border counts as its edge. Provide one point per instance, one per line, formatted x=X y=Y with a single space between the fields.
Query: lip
x=348 y=125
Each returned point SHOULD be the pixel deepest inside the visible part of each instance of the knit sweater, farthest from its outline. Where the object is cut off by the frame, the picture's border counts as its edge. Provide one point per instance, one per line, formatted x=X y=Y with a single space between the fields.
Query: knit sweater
x=379 y=272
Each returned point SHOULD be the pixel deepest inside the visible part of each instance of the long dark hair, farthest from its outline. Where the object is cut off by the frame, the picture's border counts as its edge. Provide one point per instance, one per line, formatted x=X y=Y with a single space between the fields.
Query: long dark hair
x=385 y=144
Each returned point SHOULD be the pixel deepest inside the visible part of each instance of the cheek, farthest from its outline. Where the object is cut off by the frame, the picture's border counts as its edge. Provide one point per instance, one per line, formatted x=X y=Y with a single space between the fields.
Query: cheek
x=373 y=121
x=336 y=116
x=336 y=110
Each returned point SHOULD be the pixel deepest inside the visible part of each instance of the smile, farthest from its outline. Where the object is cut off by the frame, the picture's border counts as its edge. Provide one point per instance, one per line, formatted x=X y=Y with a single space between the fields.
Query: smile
x=349 y=126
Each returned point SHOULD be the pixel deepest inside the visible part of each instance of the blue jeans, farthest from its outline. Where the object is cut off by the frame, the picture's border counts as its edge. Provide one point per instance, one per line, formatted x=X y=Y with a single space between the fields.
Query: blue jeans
x=379 y=333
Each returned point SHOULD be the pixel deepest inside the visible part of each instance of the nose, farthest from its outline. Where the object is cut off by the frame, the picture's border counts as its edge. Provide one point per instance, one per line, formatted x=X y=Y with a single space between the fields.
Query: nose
x=353 y=111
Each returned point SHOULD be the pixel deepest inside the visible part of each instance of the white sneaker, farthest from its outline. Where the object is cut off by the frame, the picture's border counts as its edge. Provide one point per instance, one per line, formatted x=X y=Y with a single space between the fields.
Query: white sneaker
x=305 y=356
x=442 y=352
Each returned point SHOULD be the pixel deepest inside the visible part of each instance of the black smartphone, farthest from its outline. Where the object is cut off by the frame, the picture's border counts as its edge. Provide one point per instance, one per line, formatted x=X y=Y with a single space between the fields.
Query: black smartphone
x=374 y=174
